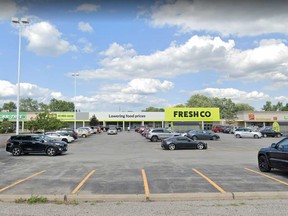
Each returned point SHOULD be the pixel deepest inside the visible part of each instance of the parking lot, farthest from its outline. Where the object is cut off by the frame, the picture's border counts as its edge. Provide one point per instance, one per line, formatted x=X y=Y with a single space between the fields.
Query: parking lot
x=127 y=163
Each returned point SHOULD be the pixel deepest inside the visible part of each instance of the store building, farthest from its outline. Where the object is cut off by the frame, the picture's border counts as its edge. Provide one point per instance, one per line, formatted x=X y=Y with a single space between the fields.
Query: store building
x=263 y=119
x=179 y=119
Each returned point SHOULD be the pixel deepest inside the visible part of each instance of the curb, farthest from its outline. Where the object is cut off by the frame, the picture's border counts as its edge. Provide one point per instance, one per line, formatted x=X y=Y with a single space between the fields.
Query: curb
x=153 y=197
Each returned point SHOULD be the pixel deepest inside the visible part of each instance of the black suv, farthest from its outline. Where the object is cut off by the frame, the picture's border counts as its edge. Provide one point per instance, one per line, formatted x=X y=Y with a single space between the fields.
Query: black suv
x=34 y=143
x=275 y=156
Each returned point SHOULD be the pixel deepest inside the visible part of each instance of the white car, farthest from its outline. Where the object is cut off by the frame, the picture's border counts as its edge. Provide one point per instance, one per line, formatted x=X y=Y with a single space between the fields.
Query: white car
x=83 y=132
x=91 y=131
x=60 y=136
x=112 y=130
x=247 y=133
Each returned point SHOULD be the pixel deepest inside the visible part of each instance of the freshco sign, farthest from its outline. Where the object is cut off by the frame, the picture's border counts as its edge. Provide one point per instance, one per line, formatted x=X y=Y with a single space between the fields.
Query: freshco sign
x=192 y=114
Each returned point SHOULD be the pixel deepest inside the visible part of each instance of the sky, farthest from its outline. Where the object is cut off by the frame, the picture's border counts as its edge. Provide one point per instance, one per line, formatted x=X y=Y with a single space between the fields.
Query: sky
x=129 y=55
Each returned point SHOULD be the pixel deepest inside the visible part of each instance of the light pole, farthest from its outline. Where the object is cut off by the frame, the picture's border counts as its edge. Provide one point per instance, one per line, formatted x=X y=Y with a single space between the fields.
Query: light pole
x=75 y=76
x=19 y=23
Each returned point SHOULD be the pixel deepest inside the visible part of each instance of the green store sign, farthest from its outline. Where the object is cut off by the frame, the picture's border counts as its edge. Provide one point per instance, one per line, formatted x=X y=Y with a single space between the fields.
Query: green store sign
x=12 y=116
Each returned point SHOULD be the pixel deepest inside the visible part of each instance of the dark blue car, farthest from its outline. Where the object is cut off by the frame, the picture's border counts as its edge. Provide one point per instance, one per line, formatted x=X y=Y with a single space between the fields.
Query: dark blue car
x=275 y=156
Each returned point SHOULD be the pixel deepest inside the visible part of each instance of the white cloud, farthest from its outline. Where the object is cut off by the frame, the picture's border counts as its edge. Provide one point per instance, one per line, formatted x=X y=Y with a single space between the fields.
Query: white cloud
x=147 y=86
x=8 y=92
x=199 y=53
x=87 y=47
x=122 y=62
x=136 y=93
x=88 y=8
x=118 y=99
x=85 y=27
x=139 y=86
x=244 y=17
x=8 y=9
x=45 y=39
x=234 y=94
x=7 y=89
x=282 y=98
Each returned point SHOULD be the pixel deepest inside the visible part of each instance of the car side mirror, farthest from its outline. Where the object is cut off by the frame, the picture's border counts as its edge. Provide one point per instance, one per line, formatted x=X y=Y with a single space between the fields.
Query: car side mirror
x=273 y=145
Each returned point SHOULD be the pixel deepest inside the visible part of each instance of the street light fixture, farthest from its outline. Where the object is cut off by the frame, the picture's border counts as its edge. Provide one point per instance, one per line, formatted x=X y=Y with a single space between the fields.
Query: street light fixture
x=75 y=76
x=19 y=23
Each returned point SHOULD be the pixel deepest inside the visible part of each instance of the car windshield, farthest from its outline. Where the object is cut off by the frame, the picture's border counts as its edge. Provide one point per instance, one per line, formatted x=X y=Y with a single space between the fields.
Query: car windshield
x=47 y=138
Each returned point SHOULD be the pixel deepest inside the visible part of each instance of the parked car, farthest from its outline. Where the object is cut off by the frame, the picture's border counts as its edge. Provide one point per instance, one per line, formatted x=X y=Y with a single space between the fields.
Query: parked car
x=61 y=136
x=160 y=133
x=217 y=128
x=247 y=133
x=275 y=156
x=202 y=135
x=71 y=131
x=104 y=128
x=229 y=129
x=269 y=132
x=34 y=143
x=83 y=132
x=94 y=129
x=182 y=142
x=112 y=131
x=91 y=131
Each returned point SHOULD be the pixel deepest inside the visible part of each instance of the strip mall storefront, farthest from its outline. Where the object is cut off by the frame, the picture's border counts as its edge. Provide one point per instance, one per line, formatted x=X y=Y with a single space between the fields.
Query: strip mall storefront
x=179 y=119
x=182 y=119
x=263 y=119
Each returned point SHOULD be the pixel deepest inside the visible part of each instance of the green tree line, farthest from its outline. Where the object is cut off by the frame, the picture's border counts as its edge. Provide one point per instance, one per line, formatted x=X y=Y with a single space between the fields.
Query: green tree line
x=30 y=105
x=46 y=121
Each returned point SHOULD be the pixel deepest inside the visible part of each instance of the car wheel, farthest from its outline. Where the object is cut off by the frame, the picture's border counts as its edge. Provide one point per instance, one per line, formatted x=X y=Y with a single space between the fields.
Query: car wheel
x=256 y=136
x=200 y=146
x=264 y=135
x=238 y=136
x=154 y=139
x=51 y=151
x=214 y=138
x=84 y=135
x=172 y=146
x=194 y=138
x=263 y=164
x=278 y=135
x=65 y=140
x=16 y=151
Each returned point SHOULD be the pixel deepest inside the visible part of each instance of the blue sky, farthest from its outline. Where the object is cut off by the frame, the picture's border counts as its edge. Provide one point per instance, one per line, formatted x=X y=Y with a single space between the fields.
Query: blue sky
x=134 y=54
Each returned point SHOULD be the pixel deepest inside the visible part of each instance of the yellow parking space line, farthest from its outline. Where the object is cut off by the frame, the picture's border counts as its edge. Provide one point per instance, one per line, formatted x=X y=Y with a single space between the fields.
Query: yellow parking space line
x=267 y=176
x=82 y=182
x=210 y=181
x=146 y=186
x=22 y=180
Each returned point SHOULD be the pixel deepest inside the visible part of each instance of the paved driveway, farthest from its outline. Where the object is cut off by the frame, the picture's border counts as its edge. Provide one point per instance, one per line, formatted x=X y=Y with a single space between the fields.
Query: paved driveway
x=127 y=163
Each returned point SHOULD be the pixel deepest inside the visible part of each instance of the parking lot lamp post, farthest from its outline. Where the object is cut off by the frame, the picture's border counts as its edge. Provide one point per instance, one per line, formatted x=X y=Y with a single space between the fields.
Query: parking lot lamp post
x=19 y=23
x=75 y=76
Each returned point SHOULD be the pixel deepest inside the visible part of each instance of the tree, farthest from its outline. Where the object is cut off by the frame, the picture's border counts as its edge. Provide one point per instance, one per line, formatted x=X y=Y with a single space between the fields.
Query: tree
x=10 y=106
x=268 y=106
x=93 y=121
x=278 y=106
x=179 y=105
x=226 y=106
x=46 y=122
x=28 y=105
x=285 y=108
x=43 y=107
x=199 y=101
x=61 y=106
x=153 y=109
x=6 y=126
x=244 y=107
